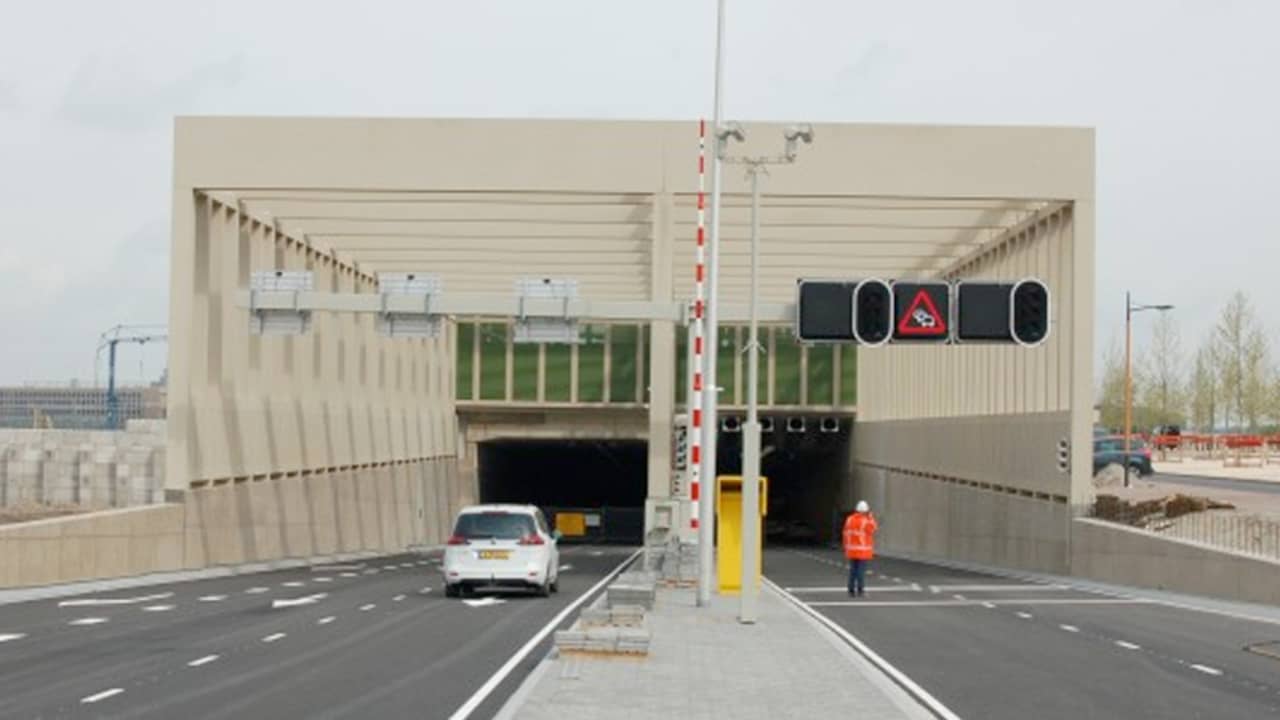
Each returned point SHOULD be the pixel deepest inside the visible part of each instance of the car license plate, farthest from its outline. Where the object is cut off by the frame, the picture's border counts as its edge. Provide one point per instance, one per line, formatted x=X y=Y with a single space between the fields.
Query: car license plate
x=495 y=554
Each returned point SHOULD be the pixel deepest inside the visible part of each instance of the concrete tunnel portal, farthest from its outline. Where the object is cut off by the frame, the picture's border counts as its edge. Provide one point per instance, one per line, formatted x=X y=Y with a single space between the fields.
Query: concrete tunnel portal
x=806 y=461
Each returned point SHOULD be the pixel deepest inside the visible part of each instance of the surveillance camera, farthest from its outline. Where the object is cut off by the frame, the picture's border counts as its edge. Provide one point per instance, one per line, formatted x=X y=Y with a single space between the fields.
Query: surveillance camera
x=732 y=130
x=803 y=132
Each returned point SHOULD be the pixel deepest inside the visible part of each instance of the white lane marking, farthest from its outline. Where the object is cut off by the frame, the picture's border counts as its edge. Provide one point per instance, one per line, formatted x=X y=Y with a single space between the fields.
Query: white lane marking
x=597 y=553
x=8 y=637
x=1070 y=628
x=988 y=605
x=212 y=598
x=88 y=621
x=424 y=591
x=324 y=579
x=484 y=602
x=101 y=696
x=272 y=637
x=349 y=575
x=1024 y=615
x=564 y=568
x=894 y=588
x=371 y=571
x=367 y=608
x=326 y=620
x=958 y=597
x=1127 y=645
x=422 y=562
x=202 y=661
x=1207 y=670
x=406 y=565
x=398 y=598
x=334 y=568
x=92 y=602
x=918 y=693
x=295 y=602
x=388 y=567
x=512 y=662
x=293 y=584
x=158 y=608
x=256 y=590
x=977 y=603
x=437 y=561
x=997 y=588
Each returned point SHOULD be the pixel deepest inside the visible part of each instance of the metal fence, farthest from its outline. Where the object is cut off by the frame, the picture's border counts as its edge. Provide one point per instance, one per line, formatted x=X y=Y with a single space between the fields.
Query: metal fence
x=1196 y=520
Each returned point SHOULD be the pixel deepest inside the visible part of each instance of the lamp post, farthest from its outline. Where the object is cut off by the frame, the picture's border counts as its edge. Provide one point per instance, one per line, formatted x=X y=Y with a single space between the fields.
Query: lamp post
x=756 y=166
x=1129 y=310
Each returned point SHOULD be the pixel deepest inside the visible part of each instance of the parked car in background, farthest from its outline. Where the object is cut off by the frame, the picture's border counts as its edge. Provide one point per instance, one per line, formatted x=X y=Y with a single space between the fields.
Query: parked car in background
x=1109 y=450
x=507 y=546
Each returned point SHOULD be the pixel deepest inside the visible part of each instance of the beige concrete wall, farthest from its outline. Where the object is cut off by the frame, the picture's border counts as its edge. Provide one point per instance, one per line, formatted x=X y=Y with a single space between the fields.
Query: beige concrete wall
x=935 y=517
x=1129 y=556
x=112 y=543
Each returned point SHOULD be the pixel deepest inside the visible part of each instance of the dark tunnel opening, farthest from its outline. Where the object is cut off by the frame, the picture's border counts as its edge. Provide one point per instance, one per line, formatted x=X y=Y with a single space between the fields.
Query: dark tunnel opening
x=806 y=461
x=592 y=490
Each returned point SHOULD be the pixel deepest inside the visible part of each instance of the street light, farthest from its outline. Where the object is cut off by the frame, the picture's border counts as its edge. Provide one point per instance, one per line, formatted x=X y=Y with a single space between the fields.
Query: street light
x=756 y=166
x=1129 y=310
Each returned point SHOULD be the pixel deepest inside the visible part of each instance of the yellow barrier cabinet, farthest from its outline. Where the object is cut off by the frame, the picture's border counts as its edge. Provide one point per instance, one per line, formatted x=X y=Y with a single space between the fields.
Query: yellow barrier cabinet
x=571 y=524
x=729 y=531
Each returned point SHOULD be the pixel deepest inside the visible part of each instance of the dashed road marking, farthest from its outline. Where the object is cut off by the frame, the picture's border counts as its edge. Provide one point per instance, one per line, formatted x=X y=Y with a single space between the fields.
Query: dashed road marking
x=294 y=602
x=424 y=591
x=93 y=602
x=202 y=661
x=565 y=568
x=484 y=602
x=998 y=588
x=323 y=579
x=1207 y=670
x=1024 y=615
x=406 y=565
x=256 y=590
x=388 y=567
x=367 y=608
x=989 y=605
x=326 y=620
x=9 y=637
x=293 y=584
x=349 y=575
x=1127 y=645
x=96 y=697
x=371 y=571
x=88 y=621
x=837 y=589
x=398 y=598
x=158 y=608
x=1070 y=628
x=273 y=637
x=958 y=597
x=212 y=598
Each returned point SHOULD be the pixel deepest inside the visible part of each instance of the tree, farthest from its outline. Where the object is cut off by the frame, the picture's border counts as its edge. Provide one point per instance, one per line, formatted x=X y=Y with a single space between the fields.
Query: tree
x=1257 y=380
x=1110 y=392
x=1232 y=348
x=1204 y=388
x=1164 y=396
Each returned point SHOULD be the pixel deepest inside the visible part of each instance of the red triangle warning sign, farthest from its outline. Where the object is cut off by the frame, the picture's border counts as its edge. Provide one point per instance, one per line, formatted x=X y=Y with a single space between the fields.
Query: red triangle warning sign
x=922 y=318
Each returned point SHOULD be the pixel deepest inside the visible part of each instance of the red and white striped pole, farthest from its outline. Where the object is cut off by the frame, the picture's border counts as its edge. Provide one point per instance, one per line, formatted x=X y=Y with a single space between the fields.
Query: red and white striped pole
x=699 y=306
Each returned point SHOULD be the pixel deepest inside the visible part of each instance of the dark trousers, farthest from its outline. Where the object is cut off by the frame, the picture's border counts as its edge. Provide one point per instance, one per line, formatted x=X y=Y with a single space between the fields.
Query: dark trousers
x=858 y=577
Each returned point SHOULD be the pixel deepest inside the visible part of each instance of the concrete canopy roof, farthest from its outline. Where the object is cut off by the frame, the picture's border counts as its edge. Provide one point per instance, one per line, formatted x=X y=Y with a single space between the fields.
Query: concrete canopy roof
x=612 y=204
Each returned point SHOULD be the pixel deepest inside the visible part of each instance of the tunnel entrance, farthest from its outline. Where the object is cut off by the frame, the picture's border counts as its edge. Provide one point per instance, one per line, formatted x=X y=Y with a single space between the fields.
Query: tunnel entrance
x=806 y=461
x=592 y=490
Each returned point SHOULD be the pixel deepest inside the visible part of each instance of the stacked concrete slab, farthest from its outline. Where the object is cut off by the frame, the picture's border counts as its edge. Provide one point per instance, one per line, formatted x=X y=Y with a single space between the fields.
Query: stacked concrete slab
x=616 y=622
x=93 y=469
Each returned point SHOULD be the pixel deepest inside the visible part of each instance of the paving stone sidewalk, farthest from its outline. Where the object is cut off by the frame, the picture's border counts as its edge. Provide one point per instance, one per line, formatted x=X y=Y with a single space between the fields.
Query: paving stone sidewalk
x=703 y=664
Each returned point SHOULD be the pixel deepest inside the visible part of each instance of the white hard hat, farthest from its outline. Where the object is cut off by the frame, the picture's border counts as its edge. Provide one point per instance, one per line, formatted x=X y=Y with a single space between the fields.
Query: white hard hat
x=863 y=506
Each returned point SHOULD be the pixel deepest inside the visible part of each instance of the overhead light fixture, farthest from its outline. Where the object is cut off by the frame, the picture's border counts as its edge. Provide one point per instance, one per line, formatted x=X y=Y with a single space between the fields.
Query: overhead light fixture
x=795 y=424
x=730 y=424
x=273 y=302
x=561 y=330
x=399 y=293
x=766 y=425
x=829 y=425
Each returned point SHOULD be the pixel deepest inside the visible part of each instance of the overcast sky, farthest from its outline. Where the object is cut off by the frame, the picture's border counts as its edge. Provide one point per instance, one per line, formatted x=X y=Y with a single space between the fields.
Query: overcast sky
x=1183 y=96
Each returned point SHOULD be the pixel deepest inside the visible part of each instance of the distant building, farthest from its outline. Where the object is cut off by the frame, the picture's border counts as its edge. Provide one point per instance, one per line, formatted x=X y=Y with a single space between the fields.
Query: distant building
x=71 y=407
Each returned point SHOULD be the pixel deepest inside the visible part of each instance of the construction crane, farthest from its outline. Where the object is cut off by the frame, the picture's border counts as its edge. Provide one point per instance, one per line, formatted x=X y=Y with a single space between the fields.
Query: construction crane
x=138 y=334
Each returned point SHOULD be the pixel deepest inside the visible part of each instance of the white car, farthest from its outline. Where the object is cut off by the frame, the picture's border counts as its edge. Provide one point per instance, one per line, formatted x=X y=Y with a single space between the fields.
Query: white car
x=501 y=546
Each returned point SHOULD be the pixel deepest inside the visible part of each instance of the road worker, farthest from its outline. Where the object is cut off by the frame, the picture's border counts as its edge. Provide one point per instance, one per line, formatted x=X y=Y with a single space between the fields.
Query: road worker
x=859 y=546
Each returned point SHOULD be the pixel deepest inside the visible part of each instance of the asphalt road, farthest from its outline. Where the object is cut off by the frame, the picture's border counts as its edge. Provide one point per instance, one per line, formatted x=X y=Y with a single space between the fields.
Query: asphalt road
x=1260 y=486
x=382 y=642
x=993 y=648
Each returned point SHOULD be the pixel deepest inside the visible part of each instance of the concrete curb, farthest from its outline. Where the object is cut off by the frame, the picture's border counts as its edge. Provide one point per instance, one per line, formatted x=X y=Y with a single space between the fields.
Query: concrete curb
x=45 y=592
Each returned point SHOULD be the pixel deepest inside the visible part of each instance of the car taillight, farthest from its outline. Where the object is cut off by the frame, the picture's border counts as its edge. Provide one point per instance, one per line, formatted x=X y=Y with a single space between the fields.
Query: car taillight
x=534 y=539
x=457 y=540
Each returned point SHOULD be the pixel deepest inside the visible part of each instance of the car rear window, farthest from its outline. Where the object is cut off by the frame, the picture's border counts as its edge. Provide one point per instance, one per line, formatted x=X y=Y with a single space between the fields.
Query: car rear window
x=496 y=525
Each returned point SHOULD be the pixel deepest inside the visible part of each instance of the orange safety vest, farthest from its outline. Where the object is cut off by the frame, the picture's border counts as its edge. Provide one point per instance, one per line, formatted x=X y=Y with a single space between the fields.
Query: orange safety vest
x=860 y=536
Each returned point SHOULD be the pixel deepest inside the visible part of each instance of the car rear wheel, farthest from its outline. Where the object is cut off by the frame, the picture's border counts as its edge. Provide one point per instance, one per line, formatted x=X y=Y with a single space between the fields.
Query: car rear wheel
x=451 y=591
